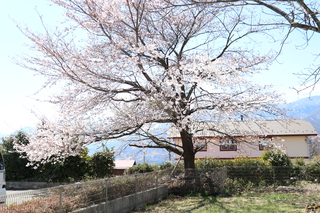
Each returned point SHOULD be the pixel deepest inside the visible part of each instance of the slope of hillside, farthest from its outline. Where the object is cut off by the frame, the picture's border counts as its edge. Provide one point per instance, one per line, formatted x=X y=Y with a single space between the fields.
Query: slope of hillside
x=306 y=109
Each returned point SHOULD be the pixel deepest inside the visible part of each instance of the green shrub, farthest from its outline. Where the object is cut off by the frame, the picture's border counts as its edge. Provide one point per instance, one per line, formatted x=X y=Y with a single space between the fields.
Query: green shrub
x=15 y=163
x=299 y=162
x=276 y=158
x=73 y=168
x=102 y=163
x=210 y=163
x=166 y=165
x=142 y=168
x=249 y=162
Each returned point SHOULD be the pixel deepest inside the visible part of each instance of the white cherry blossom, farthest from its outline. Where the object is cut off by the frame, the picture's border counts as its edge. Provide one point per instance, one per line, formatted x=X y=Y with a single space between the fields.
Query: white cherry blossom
x=127 y=67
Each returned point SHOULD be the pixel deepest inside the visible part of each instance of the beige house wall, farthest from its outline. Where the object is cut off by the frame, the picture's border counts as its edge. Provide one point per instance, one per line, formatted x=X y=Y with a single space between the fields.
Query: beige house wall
x=295 y=146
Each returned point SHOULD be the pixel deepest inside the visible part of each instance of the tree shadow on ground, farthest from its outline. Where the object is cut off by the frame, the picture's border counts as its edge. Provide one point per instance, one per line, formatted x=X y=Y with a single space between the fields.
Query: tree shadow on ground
x=207 y=200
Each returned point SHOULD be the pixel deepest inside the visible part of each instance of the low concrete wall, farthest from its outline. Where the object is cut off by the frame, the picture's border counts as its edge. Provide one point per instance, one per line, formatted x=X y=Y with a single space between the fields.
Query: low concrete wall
x=127 y=203
x=30 y=185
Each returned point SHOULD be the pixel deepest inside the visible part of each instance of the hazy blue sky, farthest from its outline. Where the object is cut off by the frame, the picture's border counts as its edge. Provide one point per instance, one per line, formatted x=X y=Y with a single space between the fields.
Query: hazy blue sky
x=18 y=85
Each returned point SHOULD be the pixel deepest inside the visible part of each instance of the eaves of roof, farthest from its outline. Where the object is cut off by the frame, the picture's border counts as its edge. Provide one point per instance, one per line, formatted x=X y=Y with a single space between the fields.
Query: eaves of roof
x=248 y=128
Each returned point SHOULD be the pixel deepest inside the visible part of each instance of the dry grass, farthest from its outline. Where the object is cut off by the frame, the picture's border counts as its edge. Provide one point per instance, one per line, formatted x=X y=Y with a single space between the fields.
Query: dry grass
x=81 y=195
x=47 y=205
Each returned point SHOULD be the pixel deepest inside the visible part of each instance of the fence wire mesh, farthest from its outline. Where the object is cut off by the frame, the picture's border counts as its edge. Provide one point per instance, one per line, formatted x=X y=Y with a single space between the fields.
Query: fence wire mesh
x=234 y=179
x=71 y=197
x=215 y=181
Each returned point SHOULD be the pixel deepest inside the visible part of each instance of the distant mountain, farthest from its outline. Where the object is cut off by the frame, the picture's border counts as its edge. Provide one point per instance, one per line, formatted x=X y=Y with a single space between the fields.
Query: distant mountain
x=1 y=137
x=150 y=156
x=306 y=109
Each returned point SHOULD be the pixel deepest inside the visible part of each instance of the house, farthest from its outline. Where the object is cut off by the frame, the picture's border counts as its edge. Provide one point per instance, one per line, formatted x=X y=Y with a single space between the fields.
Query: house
x=230 y=139
x=122 y=165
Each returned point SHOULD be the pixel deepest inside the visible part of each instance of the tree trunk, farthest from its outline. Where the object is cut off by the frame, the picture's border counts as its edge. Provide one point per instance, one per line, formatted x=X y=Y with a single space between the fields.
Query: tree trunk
x=188 y=150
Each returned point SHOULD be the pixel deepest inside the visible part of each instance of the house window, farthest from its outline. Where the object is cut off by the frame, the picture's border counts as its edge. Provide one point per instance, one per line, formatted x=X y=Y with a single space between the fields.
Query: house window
x=228 y=144
x=265 y=143
x=200 y=144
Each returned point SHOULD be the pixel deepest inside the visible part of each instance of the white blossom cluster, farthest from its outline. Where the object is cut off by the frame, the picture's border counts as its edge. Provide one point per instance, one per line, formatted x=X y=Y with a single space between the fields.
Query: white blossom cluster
x=52 y=142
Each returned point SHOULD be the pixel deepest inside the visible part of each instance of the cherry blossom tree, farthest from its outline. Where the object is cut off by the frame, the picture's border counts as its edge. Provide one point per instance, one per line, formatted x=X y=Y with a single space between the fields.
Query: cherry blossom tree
x=314 y=145
x=127 y=69
x=299 y=15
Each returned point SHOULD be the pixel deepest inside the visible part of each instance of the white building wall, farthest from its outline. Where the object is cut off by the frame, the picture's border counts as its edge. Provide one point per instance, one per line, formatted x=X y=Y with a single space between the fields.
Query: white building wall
x=296 y=146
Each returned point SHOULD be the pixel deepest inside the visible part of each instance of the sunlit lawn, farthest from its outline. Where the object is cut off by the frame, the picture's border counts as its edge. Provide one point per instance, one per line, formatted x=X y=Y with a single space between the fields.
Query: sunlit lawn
x=248 y=202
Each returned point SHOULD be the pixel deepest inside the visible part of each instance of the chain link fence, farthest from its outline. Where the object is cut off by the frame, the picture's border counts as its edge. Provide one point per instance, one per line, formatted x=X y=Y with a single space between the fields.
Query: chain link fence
x=217 y=181
x=68 y=198
x=235 y=179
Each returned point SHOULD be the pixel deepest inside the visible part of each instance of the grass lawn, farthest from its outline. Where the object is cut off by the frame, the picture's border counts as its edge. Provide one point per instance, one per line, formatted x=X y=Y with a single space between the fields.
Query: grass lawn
x=269 y=202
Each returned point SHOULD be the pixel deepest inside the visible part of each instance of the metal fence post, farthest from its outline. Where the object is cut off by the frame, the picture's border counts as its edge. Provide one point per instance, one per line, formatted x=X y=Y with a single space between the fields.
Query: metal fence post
x=274 y=178
x=135 y=189
x=60 y=192
x=157 y=179
x=106 y=210
x=223 y=176
x=136 y=183
x=157 y=185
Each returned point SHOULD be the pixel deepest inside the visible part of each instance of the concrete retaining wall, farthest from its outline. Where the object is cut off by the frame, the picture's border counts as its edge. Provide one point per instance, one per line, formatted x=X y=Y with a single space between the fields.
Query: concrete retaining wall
x=127 y=203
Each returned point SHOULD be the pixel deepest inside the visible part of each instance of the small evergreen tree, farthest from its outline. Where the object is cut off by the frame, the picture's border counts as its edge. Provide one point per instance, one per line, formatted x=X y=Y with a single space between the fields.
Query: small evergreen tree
x=16 y=165
x=102 y=163
x=276 y=157
x=73 y=168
